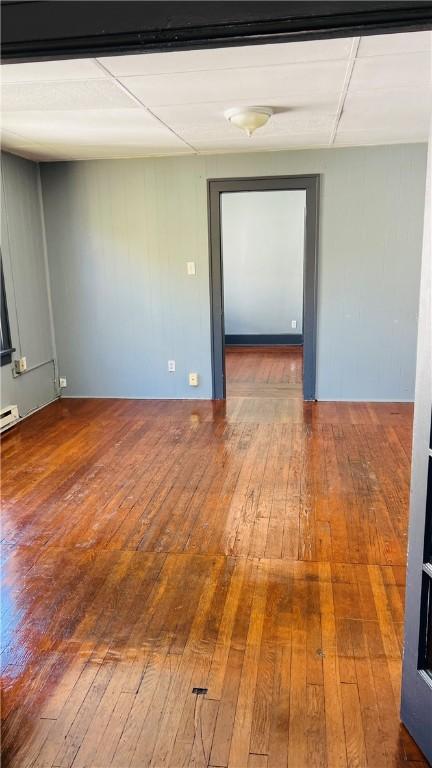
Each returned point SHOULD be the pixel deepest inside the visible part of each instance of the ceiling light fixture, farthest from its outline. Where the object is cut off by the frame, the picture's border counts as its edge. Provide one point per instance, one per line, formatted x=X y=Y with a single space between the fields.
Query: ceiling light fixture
x=249 y=118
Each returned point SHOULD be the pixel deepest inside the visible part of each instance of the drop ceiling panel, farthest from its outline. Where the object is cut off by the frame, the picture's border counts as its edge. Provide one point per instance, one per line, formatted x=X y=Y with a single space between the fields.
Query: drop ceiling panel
x=256 y=84
x=375 y=136
x=243 y=56
x=68 y=95
x=58 y=151
x=264 y=143
x=275 y=140
x=40 y=71
x=174 y=103
x=233 y=135
x=209 y=120
x=404 y=108
x=405 y=42
x=91 y=126
x=409 y=70
x=15 y=143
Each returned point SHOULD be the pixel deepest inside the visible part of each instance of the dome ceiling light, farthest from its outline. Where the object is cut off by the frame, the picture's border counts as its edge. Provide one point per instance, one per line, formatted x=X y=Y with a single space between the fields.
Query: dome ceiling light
x=249 y=118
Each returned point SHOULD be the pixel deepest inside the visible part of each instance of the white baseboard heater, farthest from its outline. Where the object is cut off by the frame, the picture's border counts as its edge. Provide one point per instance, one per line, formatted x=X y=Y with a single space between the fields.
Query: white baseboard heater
x=8 y=417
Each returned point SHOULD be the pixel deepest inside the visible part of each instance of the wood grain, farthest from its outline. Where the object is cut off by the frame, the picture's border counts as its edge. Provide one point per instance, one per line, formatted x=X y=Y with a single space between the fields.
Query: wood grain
x=254 y=548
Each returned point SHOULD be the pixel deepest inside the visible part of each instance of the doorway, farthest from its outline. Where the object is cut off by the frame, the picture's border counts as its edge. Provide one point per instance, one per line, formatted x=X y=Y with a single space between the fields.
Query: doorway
x=220 y=190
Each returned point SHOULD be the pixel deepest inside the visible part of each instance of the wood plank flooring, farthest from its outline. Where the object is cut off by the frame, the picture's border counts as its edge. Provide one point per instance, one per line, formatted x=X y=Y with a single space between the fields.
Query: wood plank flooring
x=264 y=372
x=254 y=549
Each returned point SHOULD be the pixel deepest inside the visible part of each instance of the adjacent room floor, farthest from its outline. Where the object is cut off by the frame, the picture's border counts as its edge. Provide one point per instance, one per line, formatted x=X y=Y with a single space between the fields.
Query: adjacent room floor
x=194 y=583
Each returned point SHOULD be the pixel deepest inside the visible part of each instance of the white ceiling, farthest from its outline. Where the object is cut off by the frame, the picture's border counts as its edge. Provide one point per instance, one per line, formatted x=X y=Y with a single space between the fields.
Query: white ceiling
x=344 y=92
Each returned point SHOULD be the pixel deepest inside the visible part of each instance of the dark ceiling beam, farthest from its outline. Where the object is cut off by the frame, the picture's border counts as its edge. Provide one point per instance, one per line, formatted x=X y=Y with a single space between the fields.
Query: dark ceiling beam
x=38 y=30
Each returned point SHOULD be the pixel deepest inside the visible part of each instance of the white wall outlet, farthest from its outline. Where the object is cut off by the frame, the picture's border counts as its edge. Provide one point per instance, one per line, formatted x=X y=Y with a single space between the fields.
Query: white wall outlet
x=63 y=382
x=193 y=379
x=20 y=365
x=293 y=323
x=191 y=270
x=171 y=366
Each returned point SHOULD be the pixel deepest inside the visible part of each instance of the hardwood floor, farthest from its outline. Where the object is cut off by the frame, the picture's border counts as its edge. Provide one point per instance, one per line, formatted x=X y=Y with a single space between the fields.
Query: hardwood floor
x=264 y=372
x=253 y=548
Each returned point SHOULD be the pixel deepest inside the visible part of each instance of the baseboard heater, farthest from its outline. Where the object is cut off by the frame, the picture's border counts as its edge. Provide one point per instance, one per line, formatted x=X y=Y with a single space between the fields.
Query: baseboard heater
x=8 y=417
x=264 y=339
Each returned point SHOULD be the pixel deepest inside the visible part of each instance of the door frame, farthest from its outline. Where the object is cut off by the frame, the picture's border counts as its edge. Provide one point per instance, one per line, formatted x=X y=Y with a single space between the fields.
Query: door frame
x=416 y=697
x=310 y=183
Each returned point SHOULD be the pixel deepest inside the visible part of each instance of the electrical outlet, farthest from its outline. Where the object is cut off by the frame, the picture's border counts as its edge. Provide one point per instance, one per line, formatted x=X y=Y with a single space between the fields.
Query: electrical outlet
x=193 y=379
x=62 y=382
x=20 y=365
x=171 y=366
x=293 y=323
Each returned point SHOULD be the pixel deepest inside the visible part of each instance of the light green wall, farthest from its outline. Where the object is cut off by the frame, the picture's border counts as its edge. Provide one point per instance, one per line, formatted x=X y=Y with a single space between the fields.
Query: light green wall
x=27 y=285
x=120 y=233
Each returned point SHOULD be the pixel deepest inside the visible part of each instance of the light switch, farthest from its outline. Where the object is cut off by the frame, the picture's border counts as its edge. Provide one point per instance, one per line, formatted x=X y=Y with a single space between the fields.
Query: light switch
x=191 y=268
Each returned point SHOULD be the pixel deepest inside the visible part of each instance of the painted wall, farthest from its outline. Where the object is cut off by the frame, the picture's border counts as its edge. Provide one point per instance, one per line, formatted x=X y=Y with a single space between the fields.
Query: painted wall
x=27 y=287
x=119 y=236
x=120 y=233
x=263 y=249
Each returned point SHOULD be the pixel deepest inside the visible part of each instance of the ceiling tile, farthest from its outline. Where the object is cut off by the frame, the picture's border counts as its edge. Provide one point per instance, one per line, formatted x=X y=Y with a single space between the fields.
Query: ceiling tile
x=208 y=119
x=405 y=108
x=118 y=150
x=405 y=42
x=28 y=151
x=58 y=152
x=75 y=110
x=40 y=71
x=262 y=143
x=397 y=135
x=68 y=95
x=90 y=127
x=225 y=58
x=10 y=139
x=396 y=71
x=259 y=85
x=207 y=122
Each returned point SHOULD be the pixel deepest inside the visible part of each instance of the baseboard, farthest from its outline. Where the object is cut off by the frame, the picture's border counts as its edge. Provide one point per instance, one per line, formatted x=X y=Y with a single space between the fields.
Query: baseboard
x=359 y=400
x=263 y=339
x=203 y=398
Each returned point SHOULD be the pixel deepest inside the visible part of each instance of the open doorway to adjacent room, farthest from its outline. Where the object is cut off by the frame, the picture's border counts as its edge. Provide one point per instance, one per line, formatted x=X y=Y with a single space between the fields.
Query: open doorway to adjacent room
x=263 y=236
x=263 y=271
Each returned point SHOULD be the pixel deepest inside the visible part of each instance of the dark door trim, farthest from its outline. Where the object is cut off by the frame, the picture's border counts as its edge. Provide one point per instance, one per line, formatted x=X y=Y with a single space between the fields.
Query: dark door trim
x=34 y=31
x=216 y=187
